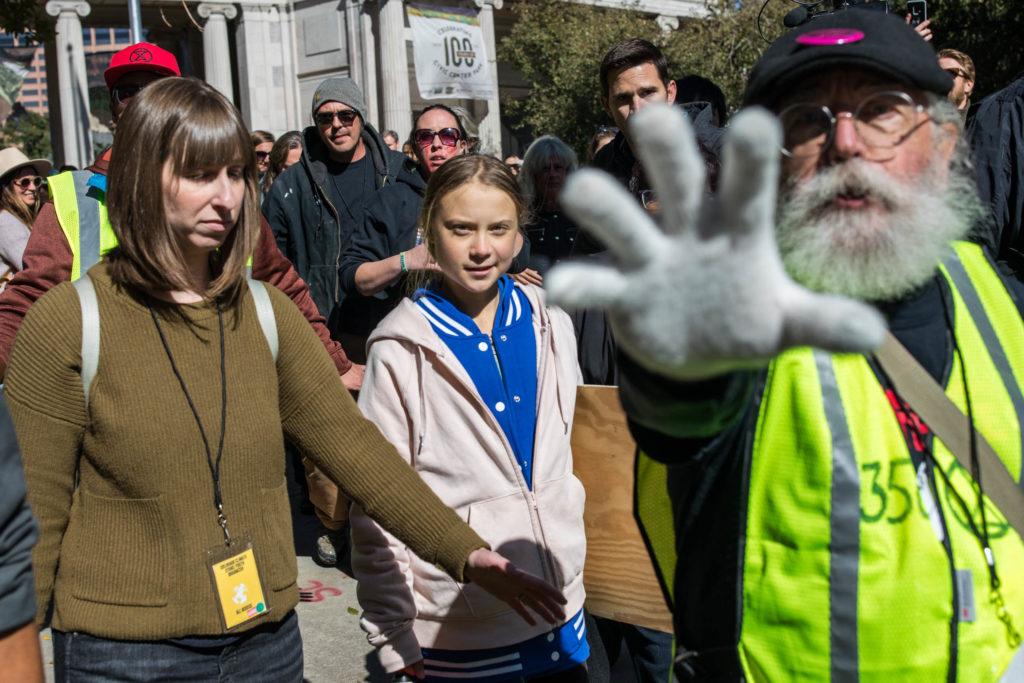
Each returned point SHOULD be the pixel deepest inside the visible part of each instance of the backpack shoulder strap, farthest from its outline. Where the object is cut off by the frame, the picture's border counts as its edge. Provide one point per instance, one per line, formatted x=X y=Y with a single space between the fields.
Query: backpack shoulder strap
x=265 y=314
x=90 y=331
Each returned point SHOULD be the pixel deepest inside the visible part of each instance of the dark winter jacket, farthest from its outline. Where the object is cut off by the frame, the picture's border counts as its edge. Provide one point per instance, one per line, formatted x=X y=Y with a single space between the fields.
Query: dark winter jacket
x=308 y=226
x=996 y=134
x=389 y=227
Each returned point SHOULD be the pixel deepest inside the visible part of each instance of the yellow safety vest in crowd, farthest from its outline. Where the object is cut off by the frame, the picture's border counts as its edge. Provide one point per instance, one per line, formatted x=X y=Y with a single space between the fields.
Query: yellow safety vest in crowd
x=82 y=213
x=846 y=575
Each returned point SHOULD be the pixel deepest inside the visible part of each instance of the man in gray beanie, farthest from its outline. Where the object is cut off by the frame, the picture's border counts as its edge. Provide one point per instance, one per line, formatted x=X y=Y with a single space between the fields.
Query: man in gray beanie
x=313 y=207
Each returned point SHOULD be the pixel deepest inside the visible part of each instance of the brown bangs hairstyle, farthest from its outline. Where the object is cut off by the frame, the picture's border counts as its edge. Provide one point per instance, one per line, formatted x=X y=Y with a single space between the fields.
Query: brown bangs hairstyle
x=453 y=174
x=188 y=124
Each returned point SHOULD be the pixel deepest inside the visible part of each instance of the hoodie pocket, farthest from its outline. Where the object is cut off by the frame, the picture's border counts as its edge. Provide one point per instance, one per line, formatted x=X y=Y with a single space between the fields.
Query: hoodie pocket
x=561 y=503
x=505 y=524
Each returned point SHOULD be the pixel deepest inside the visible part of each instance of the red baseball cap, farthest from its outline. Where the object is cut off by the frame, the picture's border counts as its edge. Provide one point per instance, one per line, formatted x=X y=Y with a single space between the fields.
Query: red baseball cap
x=140 y=57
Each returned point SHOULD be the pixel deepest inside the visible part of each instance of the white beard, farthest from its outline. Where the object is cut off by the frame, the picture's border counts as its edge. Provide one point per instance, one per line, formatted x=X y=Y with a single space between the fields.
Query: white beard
x=880 y=252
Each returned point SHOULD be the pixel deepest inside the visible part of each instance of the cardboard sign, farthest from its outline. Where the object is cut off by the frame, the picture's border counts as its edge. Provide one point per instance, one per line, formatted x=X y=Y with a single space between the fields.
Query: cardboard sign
x=619 y=574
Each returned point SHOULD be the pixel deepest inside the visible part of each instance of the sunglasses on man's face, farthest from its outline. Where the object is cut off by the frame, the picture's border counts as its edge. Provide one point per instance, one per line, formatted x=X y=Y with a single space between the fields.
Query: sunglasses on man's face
x=955 y=73
x=123 y=93
x=425 y=138
x=25 y=182
x=346 y=117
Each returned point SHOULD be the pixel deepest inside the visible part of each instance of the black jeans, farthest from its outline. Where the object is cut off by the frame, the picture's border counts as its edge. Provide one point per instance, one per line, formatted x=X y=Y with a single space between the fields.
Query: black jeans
x=273 y=653
x=577 y=674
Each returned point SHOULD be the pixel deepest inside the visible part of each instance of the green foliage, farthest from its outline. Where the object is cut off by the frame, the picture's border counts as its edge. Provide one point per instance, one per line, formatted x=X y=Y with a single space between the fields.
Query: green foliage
x=27 y=18
x=558 y=47
x=989 y=31
x=28 y=131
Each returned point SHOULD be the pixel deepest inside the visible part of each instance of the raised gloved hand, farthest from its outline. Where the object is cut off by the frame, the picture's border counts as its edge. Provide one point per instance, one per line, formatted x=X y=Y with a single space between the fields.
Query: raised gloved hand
x=707 y=293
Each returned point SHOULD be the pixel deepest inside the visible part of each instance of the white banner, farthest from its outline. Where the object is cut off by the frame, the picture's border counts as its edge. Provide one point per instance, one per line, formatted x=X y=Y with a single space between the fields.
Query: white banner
x=448 y=48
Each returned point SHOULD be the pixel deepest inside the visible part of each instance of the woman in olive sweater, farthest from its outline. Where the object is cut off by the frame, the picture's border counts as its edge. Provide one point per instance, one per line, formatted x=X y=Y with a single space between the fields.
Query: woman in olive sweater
x=166 y=547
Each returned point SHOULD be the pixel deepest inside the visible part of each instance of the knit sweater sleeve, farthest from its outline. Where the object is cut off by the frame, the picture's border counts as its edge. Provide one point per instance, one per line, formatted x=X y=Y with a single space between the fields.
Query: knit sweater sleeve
x=320 y=417
x=44 y=393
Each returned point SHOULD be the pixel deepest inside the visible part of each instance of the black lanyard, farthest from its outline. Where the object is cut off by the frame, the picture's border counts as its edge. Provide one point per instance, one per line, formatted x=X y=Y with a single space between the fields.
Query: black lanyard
x=218 y=499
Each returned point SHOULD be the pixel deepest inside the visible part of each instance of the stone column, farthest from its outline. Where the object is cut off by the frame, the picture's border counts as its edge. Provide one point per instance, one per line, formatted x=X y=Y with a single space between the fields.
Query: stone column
x=490 y=126
x=369 y=45
x=216 y=49
x=73 y=89
x=394 y=68
x=353 y=32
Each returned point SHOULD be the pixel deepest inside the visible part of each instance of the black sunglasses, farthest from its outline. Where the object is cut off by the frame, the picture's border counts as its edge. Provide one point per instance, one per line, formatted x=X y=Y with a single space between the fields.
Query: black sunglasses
x=262 y=155
x=424 y=137
x=27 y=181
x=125 y=92
x=345 y=117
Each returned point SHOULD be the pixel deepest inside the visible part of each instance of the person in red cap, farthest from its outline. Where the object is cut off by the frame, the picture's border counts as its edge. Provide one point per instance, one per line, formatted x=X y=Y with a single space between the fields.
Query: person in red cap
x=72 y=230
x=132 y=69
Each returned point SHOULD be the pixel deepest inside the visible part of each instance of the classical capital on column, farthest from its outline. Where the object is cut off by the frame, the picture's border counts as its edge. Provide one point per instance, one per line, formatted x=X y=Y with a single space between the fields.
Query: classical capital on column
x=667 y=23
x=55 y=8
x=496 y=4
x=207 y=9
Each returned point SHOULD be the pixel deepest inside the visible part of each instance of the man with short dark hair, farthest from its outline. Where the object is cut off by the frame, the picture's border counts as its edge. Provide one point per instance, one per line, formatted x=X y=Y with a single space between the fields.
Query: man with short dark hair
x=634 y=73
x=778 y=339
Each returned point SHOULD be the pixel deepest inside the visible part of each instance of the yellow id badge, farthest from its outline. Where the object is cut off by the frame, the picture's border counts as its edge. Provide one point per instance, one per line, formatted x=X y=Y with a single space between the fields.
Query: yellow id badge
x=236 y=582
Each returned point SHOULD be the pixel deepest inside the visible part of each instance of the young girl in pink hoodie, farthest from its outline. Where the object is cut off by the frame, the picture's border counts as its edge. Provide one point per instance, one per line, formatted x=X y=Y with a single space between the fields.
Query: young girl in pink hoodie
x=473 y=379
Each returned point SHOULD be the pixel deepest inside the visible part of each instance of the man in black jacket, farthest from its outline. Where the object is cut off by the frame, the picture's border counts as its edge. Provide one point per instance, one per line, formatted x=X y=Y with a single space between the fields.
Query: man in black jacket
x=316 y=205
x=313 y=208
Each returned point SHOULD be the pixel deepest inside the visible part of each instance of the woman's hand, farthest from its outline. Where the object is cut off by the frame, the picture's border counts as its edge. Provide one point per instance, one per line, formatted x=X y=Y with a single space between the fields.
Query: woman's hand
x=418 y=258
x=528 y=276
x=499 y=577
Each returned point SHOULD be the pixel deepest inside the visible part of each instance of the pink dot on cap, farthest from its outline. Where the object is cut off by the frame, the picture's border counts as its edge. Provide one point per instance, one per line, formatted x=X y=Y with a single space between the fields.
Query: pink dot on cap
x=831 y=36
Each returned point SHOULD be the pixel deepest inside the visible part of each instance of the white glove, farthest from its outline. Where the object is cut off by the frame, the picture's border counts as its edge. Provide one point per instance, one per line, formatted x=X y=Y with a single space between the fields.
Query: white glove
x=708 y=294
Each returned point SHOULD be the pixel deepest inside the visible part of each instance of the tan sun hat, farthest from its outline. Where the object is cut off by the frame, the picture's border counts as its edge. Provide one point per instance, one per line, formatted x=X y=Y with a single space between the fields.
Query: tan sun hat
x=12 y=158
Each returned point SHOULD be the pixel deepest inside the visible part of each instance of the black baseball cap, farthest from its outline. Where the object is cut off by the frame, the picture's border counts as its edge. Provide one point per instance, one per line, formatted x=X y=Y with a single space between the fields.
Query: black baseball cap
x=852 y=37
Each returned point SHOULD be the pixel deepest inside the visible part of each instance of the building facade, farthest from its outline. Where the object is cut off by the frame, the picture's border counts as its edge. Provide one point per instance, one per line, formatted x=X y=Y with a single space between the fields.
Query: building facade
x=268 y=56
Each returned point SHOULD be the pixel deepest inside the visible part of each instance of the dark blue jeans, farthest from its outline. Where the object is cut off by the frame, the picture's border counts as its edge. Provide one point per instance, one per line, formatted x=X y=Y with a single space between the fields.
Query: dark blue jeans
x=272 y=653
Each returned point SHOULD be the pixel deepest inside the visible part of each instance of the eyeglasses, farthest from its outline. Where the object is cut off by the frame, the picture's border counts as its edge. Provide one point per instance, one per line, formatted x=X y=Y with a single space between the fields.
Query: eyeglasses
x=649 y=200
x=27 y=181
x=955 y=73
x=345 y=117
x=262 y=155
x=424 y=137
x=882 y=121
x=125 y=92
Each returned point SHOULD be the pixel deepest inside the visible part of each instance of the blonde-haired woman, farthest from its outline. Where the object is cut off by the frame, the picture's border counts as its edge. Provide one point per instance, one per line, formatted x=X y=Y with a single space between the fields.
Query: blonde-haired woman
x=166 y=548
x=22 y=193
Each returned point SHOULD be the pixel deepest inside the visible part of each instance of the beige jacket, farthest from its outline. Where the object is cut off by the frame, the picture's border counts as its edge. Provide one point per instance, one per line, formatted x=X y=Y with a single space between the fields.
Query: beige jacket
x=427 y=406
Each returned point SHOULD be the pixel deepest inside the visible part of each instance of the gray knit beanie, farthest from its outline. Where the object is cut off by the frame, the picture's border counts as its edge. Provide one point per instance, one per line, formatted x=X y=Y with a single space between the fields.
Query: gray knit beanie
x=343 y=90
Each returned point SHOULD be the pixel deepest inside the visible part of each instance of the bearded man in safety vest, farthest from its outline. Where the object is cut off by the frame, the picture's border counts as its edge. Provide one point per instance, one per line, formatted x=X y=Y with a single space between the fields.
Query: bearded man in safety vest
x=71 y=231
x=819 y=529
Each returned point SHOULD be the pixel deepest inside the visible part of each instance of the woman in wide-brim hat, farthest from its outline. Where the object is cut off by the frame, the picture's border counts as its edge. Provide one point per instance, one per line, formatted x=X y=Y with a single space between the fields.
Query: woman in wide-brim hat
x=21 y=196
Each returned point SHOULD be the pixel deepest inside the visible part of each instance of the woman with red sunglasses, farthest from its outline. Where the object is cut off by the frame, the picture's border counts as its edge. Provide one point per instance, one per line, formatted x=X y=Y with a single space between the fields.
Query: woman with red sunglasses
x=21 y=194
